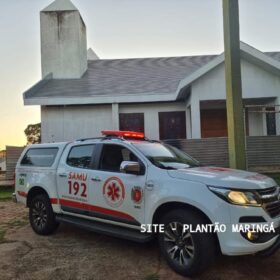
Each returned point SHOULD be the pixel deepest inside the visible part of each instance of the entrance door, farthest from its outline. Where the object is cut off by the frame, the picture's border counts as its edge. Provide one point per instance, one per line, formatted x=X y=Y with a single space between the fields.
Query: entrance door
x=213 y=123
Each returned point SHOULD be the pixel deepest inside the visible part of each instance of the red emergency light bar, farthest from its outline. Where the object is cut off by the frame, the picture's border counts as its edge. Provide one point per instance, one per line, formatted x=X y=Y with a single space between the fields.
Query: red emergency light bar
x=124 y=134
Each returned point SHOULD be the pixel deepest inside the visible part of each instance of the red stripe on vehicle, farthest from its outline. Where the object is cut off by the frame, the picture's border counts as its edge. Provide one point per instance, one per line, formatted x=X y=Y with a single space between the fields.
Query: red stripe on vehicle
x=54 y=201
x=85 y=206
x=23 y=194
x=92 y=208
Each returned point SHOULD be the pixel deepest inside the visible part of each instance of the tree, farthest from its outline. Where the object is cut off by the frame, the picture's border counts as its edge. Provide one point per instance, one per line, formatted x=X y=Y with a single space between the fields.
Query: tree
x=33 y=133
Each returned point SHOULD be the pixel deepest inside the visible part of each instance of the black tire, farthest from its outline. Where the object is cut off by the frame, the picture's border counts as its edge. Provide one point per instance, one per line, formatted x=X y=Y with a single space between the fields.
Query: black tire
x=41 y=215
x=189 y=254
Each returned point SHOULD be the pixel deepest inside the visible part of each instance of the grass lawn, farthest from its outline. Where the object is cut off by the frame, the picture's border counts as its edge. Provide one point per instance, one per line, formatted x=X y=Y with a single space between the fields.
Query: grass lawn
x=6 y=193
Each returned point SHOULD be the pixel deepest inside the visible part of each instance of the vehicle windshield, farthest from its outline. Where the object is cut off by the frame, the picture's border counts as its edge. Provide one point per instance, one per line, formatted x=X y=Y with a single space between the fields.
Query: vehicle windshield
x=166 y=156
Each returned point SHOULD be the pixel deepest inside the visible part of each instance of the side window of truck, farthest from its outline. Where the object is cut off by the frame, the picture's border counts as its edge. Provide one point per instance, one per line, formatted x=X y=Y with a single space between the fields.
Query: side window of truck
x=81 y=156
x=113 y=155
x=40 y=157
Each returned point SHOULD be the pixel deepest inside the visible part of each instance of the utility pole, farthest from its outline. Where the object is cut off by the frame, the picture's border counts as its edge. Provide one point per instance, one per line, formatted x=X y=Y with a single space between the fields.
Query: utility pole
x=235 y=118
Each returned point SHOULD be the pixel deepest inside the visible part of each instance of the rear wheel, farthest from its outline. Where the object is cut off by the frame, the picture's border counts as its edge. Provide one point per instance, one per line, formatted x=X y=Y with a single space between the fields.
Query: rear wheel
x=41 y=215
x=186 y=252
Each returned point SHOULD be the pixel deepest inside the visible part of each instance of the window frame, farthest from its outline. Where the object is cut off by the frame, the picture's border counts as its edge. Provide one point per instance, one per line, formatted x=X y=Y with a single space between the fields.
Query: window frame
x=93 y=155
x=38 y=148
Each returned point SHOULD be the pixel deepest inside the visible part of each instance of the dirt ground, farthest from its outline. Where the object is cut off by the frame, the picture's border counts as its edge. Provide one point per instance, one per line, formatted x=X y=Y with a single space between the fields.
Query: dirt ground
x=72 y=253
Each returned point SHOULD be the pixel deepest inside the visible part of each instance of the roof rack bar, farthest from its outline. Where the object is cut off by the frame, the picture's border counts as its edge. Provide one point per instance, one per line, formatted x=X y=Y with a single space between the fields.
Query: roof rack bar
x=100 y=138
x=109 y=137
x=90 y=138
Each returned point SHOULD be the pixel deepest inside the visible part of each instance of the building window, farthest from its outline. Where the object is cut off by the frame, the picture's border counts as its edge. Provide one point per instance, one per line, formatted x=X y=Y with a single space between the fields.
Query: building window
x=172 y=125
x=270 y=122
x=132 y=122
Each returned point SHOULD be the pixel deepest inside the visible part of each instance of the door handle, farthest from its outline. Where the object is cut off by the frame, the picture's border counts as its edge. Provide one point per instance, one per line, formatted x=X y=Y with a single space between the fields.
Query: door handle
x=96 y=179
x=63 y=175
x=150 y=185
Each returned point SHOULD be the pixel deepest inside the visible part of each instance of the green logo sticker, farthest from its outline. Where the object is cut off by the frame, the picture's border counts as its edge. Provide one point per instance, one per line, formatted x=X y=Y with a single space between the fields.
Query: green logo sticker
x=21 y=181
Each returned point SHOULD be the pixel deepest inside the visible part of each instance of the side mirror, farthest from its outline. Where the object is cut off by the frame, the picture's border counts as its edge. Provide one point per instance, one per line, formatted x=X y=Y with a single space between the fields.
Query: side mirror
x=130 y=167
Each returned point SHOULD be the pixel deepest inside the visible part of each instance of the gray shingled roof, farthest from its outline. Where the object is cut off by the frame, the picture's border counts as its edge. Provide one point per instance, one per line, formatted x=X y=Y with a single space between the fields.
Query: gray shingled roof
x=274 y=55
x=125 y=76
x=113 y=77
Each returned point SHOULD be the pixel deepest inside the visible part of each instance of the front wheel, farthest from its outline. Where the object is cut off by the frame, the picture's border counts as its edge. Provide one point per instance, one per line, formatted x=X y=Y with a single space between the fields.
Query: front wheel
x=41 y=215
x=188 y=253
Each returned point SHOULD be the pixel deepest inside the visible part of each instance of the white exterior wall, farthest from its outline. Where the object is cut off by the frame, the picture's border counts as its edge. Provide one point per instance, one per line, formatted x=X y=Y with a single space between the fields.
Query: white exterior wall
x=256 y=83
x=151 y=119
x=257 y=124
x=70 y=123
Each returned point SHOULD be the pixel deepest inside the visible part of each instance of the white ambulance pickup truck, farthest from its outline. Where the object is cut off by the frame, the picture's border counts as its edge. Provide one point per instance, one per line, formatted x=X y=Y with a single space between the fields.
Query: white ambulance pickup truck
x=127 y=186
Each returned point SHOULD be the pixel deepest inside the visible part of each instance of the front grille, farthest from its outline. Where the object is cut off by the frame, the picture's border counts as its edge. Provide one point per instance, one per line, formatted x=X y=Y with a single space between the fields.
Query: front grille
x=271 y=201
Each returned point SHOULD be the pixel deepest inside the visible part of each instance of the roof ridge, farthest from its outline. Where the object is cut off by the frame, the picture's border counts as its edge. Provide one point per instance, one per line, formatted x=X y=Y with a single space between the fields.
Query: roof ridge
x=60 y=5
x=170 y=57
x=159 y=57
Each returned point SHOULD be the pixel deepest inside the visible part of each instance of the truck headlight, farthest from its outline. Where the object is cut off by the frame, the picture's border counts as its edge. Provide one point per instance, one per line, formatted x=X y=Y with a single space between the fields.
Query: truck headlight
x=237 y=197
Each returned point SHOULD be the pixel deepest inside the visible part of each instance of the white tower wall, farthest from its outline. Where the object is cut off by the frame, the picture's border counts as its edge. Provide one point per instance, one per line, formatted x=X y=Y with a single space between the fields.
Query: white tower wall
x=63 y=41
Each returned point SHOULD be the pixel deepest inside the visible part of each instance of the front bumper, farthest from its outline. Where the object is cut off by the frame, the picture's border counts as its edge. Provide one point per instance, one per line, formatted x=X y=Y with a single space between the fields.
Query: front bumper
x=233 y=243
x=271 y=250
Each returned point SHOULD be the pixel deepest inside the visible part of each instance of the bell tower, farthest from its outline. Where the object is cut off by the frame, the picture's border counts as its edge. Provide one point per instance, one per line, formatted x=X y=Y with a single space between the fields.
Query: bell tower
x=63 y=41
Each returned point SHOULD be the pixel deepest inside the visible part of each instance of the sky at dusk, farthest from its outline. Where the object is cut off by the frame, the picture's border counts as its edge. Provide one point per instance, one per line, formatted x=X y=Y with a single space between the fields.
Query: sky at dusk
x=119 y=29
